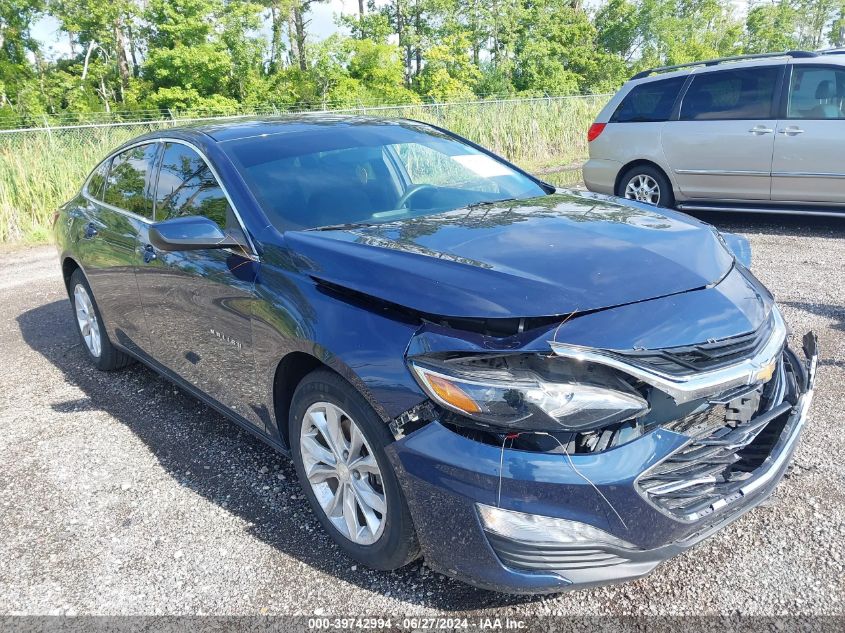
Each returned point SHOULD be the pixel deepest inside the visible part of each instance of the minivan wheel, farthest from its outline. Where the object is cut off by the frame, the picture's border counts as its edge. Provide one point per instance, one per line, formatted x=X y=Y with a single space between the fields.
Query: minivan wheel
x=92 y=333
x=337 y=442
x=647 y=184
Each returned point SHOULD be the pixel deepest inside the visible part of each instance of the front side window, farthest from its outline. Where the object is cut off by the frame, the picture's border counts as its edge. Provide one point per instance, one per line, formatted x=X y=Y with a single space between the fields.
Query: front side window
x=816 y=92
x=744 y=93
x=318 y=175
x=127 y=185
x=186 y=186
x=649 y=102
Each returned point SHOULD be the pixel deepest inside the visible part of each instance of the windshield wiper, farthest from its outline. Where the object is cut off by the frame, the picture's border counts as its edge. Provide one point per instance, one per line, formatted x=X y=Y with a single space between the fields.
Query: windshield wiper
x=485 y=203
x=343 y=226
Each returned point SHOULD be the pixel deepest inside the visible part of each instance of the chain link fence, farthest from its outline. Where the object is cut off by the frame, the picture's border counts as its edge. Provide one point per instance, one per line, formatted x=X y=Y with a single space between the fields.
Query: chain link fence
x=43 y=166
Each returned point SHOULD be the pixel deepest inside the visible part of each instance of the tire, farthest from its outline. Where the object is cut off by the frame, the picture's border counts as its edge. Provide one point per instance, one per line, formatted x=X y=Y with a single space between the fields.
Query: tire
x=646 y=174
x=393 y=544
x=97 y=345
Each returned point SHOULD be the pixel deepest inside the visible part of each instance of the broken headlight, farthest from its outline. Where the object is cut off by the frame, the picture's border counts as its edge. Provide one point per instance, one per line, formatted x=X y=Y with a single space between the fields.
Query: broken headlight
x=525 y=401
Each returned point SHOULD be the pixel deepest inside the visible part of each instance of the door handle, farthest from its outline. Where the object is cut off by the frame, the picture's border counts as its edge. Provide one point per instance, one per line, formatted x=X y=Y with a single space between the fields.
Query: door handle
x=792 y=130
x=90 y=231
x=149 y=253
x=761 y=129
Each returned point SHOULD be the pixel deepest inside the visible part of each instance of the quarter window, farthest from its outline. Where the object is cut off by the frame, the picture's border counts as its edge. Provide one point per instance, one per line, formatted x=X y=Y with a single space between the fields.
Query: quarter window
x=746 y=93
x=649 y=102
x=816 y=92
x=186 y=186
x=127 y=185
x=98 y=180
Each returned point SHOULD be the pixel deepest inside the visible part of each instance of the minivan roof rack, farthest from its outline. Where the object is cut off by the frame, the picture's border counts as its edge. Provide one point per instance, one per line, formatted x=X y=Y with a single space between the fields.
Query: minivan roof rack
x=721 y=60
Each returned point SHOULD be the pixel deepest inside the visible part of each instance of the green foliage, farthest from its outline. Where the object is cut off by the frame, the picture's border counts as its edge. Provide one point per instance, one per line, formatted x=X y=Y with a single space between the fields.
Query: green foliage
x=231 y=54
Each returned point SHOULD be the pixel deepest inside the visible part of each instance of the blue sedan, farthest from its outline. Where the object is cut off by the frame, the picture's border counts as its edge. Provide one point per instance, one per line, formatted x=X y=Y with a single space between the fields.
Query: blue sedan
x=533 y=389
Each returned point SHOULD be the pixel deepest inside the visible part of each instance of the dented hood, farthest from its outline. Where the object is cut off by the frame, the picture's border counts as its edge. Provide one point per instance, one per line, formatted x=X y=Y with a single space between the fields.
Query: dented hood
x=541 y=257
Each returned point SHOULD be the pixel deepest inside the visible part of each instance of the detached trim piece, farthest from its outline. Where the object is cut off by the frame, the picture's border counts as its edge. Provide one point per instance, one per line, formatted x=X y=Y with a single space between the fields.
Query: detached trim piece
x=694 y=386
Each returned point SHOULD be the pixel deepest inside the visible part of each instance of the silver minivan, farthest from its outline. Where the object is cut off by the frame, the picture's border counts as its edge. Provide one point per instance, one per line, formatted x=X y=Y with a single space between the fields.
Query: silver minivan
x=752 y=133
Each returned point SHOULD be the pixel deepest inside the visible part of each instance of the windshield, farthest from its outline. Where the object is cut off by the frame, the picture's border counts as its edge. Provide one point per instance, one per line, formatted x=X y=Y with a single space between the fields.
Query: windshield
x=316 y=175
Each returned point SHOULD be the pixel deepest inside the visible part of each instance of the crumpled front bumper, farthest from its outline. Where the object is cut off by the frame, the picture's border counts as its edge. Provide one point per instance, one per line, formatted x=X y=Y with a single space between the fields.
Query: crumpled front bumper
x=444 y=475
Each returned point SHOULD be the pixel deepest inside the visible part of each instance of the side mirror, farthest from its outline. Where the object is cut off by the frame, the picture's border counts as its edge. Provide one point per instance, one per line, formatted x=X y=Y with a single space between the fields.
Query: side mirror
x=190 y=234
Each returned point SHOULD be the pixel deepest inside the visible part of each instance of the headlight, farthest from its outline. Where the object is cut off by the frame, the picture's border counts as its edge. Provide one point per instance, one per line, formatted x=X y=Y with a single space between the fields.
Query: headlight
x=525 y=401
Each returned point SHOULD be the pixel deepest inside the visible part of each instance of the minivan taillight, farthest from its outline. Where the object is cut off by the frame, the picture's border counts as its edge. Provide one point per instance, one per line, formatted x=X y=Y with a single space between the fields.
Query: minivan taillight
x=594 y=131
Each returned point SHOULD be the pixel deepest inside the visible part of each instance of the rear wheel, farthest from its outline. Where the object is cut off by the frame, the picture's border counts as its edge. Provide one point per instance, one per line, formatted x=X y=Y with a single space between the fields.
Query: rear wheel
x=92 y=333
x=646 y=183
x=338 y=441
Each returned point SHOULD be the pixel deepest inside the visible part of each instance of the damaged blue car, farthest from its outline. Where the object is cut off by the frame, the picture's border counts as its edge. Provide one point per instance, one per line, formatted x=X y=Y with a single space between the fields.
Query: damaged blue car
x=533 y=389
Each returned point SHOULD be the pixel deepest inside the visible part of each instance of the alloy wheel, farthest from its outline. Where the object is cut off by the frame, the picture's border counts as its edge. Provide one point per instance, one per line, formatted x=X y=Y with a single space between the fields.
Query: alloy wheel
x=643 y=188
x=86 y=317
x=343 y=473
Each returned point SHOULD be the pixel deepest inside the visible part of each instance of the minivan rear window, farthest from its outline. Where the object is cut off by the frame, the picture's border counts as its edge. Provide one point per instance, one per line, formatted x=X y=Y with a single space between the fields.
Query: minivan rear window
x=744 y=93
x=649 y=102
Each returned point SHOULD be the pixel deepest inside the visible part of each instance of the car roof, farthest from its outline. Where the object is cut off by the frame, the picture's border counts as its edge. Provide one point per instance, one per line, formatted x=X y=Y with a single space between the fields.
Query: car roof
x=832 y=56
x=248 y=127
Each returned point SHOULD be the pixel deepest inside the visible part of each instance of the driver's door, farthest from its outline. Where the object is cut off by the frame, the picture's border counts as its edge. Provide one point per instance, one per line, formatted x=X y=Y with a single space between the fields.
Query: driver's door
x=198 y=303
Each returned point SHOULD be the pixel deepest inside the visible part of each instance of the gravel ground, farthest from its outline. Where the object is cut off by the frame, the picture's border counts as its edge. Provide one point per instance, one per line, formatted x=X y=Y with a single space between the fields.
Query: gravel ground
x=120 y=494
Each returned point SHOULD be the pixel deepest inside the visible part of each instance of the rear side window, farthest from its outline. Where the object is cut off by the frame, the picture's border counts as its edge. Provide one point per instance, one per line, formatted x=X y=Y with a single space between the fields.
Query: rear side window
x=745 y=93
x=186 y=186
x=127 y=185
x=649 y=102
x=816 y=92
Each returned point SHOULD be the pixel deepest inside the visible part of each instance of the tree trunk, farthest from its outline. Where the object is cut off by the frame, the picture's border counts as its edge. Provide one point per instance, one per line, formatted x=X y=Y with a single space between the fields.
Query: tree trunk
x=418 y=48
x=294 y=48
x=277 y=46
x=122 y=61
x=133 y=52
x=299 y=24
x=91 y=46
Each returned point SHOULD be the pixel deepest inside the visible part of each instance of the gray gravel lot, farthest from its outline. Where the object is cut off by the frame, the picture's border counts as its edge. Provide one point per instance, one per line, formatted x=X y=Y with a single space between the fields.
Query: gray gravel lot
x=120 y=494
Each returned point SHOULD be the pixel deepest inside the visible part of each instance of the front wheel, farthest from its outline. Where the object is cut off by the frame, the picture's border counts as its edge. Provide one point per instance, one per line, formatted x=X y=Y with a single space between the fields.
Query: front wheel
x=337 y=442
x=645 y=183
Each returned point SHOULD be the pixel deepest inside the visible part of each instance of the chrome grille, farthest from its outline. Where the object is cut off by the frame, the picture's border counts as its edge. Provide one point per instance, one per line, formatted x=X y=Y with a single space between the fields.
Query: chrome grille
x=690 y=359
x=730 y=441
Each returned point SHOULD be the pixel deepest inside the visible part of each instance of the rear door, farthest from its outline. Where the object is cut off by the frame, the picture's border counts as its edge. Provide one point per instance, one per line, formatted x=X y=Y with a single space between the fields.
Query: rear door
x=198 y=304
x=721 y=145
x=119 y=208
x=809 y=161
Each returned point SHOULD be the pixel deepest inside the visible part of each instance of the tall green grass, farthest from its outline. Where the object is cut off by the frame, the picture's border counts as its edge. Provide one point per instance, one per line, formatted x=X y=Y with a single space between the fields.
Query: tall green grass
x=40 y=170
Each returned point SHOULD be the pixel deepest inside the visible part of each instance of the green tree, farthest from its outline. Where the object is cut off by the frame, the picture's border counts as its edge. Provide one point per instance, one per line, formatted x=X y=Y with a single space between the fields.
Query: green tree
x=16 y=43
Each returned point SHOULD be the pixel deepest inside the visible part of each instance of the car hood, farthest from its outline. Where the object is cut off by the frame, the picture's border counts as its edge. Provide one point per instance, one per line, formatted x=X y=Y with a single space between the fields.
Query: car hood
x=546 y=256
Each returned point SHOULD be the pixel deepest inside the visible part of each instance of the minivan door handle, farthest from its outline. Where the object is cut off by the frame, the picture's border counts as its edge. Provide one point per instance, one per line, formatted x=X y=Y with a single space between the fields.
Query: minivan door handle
x=792 y=130
x=149 y=253
x=761 y=129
